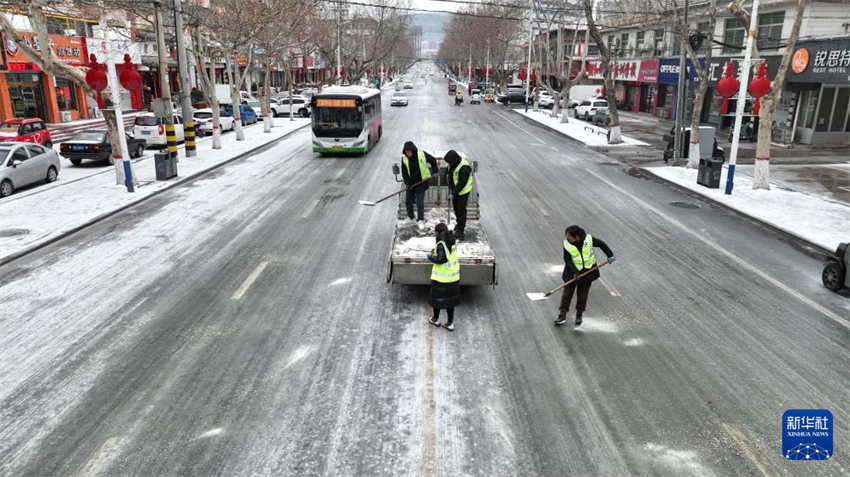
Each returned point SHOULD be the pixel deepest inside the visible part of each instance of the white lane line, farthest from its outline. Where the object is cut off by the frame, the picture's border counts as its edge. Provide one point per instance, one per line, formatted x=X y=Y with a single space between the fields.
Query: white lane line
x=540 y=206
x=747 y=449
x=513 y=175
x=249 y=281
x=613 y=291
x=737 y=260
x=521 y=129
x=94 y=464
x=310 y=209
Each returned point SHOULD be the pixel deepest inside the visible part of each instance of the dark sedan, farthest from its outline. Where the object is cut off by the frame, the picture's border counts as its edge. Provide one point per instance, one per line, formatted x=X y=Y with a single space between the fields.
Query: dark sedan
x=95 y=146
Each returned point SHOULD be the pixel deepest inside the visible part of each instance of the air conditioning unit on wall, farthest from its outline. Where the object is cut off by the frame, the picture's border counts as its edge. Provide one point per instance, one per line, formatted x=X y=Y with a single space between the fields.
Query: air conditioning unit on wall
x=644 y=47
x=65 y=116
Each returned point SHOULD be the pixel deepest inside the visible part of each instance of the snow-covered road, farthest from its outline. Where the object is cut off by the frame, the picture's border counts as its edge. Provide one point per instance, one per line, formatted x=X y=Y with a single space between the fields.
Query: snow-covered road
x=241 y=325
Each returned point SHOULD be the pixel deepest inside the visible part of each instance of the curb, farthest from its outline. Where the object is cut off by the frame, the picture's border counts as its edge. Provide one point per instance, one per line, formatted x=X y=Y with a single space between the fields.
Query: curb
x=560 y=133
x=26 y=251
x=797 y=238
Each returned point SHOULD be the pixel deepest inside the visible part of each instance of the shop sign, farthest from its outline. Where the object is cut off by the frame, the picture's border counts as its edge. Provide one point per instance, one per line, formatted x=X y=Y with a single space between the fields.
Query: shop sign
x=648 y=72
x=668 y=70
x=65 y=49
x=118 y=49
x=718 y=66
x=821 y=62
x=626 y=70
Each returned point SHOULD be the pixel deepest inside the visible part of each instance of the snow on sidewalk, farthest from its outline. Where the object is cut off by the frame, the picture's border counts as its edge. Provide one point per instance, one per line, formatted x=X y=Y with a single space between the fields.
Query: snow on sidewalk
x=41 y=218
x=577 y=129
x=813 y=219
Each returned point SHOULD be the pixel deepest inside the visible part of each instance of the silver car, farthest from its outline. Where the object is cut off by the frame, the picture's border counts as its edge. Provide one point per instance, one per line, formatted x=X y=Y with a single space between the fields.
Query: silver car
x=24 y=163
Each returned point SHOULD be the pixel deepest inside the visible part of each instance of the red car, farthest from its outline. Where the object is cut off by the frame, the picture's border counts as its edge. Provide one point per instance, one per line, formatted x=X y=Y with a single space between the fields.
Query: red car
x=25 y=130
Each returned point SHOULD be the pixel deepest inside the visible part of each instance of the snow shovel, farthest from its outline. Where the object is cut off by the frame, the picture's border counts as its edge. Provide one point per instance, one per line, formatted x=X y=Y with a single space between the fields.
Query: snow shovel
x=543 y=296
x=372 y=204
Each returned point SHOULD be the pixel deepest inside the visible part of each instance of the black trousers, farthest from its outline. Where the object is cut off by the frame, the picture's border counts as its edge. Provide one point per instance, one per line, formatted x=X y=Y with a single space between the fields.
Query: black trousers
x=459 y=204
x=567 y=297
x=449 y=311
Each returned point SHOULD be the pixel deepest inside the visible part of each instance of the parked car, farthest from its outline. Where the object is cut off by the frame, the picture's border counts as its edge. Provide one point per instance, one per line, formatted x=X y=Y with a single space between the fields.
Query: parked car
x=152 y=130
x=204 y=121
x=399 y=99
x=575 y=102
x=489 y=95
x=601 y=116
x=247 y=115
x=546 y=101
x=95 y=145
x=408 y=85
x=25 y=130
x=476 y=97
x=452 y=88
x=588 y=108
x=23 y=163
x=255 y=105
x=300 y=105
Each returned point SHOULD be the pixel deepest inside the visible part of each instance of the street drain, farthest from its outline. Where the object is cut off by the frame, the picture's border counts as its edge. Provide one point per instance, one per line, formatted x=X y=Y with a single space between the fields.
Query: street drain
x=13 y=232
x=684 y=205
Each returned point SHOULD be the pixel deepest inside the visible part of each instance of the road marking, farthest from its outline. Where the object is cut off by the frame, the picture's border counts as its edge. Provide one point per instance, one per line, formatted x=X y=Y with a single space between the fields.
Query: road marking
x=310 y=209
x=613 y=291
x=728 y=254
x=339 y=173
x=747 y=449
x=521 y=129
x=93 y=465
x=249 y=281
x=540 y=206
x=513 y=175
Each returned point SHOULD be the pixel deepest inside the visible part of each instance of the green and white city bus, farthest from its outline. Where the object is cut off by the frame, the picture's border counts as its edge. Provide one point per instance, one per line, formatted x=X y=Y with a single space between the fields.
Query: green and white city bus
x=346 y=119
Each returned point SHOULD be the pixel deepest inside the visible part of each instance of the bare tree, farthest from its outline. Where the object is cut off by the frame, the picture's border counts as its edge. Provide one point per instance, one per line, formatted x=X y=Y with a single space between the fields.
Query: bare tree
x=614 y=134
x=770 y=101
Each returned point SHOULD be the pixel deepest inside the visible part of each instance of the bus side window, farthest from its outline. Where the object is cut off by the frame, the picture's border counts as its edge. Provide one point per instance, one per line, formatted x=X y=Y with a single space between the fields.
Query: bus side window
x=367 y=106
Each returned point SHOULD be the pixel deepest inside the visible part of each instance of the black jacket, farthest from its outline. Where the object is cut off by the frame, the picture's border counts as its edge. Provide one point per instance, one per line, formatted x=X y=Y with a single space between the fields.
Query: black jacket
x=570 y=268
x=415 y=175
x=453 y=160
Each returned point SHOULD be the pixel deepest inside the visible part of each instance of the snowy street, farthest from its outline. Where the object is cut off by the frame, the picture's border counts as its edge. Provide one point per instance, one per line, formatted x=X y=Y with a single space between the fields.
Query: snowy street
x=241 y=324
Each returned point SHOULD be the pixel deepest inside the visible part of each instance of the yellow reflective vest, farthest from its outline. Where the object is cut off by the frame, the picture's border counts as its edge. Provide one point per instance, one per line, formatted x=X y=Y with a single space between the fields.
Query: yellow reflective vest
x=448 y=272
x=583 y=258
x=424 y=170
x=456 y=173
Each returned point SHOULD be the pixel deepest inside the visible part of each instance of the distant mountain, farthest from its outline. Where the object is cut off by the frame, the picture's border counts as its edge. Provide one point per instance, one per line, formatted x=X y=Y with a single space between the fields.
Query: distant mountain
x=433 y=26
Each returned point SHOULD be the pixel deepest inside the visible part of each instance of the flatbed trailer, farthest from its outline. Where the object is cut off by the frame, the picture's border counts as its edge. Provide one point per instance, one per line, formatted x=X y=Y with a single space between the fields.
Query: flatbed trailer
x=408 y=264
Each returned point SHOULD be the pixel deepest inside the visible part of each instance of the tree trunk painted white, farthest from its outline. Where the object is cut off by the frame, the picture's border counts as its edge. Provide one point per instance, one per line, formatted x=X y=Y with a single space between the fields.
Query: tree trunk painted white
x=565 y=116
x=614 y=135
x=267 y=123
x=209 y=87
x=216 y=137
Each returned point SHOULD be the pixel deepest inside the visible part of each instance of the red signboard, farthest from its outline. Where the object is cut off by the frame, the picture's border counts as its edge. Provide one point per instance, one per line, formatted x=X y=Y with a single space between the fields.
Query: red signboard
x=648 y=72
x=65 y=49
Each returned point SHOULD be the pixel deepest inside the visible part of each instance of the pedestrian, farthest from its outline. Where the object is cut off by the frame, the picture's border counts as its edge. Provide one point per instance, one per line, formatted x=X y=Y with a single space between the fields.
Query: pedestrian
x=424 y=166
x=578 y=259
x=445 y=277
x=460 y=188
x=458 y=98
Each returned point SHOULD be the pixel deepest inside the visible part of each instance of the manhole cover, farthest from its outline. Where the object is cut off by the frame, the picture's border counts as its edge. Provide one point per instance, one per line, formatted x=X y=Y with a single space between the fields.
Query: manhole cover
x=13 y=232
x=684 y=205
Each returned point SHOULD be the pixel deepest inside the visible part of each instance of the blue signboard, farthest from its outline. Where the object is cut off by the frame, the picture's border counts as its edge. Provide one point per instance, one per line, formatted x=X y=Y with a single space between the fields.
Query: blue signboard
x=668 y=70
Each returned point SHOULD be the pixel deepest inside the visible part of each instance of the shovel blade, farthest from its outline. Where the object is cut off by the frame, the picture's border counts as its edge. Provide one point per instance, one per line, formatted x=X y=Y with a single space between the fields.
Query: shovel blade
x=366 y=202
x=536 y=296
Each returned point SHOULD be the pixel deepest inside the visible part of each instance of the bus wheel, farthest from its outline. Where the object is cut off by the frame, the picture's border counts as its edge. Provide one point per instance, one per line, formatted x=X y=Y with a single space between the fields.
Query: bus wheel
x=380 y=132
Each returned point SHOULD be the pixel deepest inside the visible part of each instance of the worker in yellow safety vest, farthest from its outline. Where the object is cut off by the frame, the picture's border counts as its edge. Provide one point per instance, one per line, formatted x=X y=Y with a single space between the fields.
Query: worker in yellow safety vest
x=460 y=189
x=578 y=259
x=416 y=166
x=445 y=277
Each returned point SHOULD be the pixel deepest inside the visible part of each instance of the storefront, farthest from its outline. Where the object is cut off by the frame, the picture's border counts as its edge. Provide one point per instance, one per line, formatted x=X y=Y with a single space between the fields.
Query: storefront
x=648 y=81
x=713 y=104
x=627 y=88
x=668 y=81
x=27 y=92
x=819 y=86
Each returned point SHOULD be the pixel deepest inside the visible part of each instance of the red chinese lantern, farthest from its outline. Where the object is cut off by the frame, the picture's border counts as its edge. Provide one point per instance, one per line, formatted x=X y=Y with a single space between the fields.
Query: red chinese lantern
x=727 y=86
x=759 y=86
x=130 y=79
x=533 y=76
x=522 y=75
x=368 y=72
x=96 y=75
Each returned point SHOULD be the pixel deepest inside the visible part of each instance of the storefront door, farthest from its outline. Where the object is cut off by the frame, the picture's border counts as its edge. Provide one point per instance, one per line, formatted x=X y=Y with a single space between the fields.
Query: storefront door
x=26 y=92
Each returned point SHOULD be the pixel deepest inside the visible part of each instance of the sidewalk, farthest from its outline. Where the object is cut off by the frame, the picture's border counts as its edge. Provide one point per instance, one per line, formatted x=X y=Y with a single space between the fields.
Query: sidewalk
x=582 y=131
x=40 y=219
x=810 y=218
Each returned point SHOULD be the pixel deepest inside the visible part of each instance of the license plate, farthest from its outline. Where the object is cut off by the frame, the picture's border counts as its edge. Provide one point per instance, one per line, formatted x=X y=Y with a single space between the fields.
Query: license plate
x=146 y=133
x=79 y=148
x=337 y=147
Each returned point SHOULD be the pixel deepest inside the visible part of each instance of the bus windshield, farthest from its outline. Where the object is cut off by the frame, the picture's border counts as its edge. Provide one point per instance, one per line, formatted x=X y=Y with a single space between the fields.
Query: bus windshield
x=337 y=122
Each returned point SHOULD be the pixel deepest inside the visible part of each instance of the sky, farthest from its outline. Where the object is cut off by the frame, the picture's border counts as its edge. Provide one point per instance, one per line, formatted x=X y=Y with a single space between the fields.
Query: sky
x=436 y=6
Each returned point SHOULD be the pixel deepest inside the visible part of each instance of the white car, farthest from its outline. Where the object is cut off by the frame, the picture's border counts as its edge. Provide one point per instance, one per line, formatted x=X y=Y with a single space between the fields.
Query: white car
x=408 y=85
x=204 y=121
x=399 y=99
x=255 y=105
x=588 y=107
x=575 y=102
x=476 y=97
x=150 y=128
x=24 y=163
x=545 y=101
x=300 y=105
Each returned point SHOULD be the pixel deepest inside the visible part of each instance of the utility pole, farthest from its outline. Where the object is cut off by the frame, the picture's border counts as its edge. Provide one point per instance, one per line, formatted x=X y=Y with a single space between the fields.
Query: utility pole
x=487 y=72
x=681 y=95
x=185 y=85
x=528 y=70
x=742 y=96
x=469 y=70
x=339 y=43
x=164 y=83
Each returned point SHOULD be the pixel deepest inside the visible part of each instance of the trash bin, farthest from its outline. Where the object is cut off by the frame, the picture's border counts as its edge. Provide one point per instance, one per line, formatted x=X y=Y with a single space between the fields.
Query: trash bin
x=165 y=166
x=709 y=171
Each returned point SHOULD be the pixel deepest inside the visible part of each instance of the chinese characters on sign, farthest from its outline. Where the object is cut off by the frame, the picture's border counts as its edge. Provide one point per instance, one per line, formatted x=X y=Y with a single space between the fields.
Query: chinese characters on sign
x=821 y=62
x=336 y=103
x=807 y=434
x=65 y=49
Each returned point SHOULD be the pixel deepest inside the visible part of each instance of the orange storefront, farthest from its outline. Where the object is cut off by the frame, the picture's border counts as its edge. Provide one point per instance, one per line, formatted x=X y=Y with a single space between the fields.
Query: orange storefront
x=27 y=92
